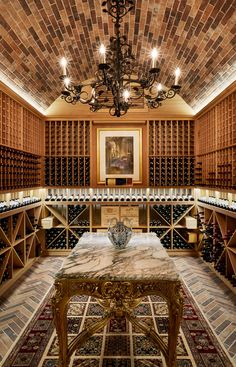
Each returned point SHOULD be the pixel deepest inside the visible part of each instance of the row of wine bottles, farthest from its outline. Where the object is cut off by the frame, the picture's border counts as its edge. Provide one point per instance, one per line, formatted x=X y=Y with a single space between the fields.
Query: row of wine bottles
x=171 y=171
x=67 y=171
x=219 y=203
x=178 y=241
x=17 y=203
x=55 y=238
x=119 y=197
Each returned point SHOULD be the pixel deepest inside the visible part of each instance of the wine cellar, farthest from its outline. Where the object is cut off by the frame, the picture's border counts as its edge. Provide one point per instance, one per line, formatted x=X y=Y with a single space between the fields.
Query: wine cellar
x=117 y=183
x=55 y=166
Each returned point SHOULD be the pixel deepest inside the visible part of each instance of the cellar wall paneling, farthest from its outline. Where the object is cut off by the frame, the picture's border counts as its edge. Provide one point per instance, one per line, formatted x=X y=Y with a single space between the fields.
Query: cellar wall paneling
x=21 y=145
x=19 y=169
x=171 y=153
x=20 y=128
x=67 y=153
x=215 y=145
x=20 y=242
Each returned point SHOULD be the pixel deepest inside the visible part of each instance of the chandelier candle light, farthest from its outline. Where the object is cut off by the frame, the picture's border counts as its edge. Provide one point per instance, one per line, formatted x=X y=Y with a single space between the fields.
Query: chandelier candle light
x=115 y=85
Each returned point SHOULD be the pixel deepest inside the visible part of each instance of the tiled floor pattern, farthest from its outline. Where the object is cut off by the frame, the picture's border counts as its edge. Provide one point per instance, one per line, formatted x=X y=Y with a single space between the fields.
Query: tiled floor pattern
x=215 y=300
x=23 y=299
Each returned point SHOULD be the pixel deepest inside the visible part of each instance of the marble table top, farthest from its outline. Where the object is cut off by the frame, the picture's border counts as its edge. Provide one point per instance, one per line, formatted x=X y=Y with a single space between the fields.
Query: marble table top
x=94 y=257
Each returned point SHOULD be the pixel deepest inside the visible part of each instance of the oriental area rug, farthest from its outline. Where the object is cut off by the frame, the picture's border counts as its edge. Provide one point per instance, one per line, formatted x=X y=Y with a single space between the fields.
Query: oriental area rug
x=119 y=344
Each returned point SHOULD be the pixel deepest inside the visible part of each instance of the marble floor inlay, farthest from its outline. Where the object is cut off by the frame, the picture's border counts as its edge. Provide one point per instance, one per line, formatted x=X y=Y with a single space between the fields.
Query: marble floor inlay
x=217 y=302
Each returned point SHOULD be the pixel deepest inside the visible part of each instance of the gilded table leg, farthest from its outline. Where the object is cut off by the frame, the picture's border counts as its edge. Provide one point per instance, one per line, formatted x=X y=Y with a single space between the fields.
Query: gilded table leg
x=175 y=305
x=59 y=308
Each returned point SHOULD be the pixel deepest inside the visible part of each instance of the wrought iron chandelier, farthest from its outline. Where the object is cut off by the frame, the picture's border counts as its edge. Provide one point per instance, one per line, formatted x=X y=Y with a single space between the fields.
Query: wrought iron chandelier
x=115 y=85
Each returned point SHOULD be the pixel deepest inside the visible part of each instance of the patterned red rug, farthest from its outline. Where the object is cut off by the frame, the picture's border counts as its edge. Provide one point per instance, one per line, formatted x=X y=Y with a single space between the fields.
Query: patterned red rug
x=119 y=344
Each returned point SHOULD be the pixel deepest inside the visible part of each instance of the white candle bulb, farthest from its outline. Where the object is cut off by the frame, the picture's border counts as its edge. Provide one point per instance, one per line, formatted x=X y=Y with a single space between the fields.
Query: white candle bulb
x=154 y=55
x=159 y=87
x=63 y=63
x=177 y=74
x=102 y=51
x=126 y=95
x=67 y=82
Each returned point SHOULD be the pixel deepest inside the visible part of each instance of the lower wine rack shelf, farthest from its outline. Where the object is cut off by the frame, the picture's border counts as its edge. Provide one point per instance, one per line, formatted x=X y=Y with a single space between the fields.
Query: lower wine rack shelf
x=217 y=239
x=54 y=228
x=20 y=242
x=65 y=222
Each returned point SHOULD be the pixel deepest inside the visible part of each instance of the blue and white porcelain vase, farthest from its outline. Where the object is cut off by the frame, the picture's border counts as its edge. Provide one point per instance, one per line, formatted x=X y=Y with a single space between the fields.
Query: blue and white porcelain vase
x=119 y=235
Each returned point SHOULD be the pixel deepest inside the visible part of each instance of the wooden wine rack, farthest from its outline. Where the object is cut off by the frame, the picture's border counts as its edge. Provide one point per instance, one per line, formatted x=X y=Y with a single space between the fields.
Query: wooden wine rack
x=72 y=218
x=67 y=160
x=215 y=145
x=167 y=220
x=20 y=242
x=217 y=240
x=21 y=145
x=20 y=128
x=19 y=169
x=171 y=153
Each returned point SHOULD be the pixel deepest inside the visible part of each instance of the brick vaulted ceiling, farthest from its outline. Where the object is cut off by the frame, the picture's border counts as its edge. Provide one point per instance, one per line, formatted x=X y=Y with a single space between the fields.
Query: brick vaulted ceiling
x=196 y=35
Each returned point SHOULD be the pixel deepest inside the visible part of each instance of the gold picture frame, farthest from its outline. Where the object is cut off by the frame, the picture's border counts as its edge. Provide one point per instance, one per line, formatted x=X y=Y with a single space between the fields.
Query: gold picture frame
x=119 y=154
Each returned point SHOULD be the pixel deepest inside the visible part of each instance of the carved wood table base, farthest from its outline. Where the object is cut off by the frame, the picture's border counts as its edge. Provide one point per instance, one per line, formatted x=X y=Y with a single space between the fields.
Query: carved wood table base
x=118 y=300
x=118 y=279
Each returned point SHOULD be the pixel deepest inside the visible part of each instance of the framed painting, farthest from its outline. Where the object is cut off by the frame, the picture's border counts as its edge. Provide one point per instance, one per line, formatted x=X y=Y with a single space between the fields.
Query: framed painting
x=119 y=154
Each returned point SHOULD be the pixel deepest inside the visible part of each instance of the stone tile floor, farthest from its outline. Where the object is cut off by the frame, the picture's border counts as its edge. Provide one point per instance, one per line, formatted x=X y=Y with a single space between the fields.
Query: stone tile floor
x=217 y=302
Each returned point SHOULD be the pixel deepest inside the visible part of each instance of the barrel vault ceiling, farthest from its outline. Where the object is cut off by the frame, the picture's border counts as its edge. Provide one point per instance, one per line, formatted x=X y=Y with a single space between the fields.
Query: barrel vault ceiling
x=199 y=36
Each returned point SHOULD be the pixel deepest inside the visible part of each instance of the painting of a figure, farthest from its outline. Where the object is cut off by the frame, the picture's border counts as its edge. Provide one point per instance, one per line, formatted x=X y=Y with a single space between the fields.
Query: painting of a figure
x=119 y=152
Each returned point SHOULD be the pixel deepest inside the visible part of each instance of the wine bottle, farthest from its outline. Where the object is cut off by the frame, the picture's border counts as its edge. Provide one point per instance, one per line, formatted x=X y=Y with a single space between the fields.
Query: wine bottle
x=87 y=197
x=82 y=197
x=139 y=197
x=151 y=197
x=111 y=197
x=48 y=198
x=122 y=198
x=94 y=197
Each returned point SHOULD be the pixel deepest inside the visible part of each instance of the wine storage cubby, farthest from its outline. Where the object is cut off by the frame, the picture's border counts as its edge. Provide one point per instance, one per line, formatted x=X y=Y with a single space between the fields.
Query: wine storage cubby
x=171 y=153
x=19 y=169
x=67 y=150
x=20 y=128
x=20 y=241
x=217 y=239
x=215 y=145
x=167 y=220
x=70 y=213
x=70 y=220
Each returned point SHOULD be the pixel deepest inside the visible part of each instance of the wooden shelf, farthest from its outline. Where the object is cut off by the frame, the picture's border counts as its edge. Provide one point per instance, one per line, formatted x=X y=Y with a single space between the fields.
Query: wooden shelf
x=19 y=241
x=67 y=150
x=217 y=242
x=20 y=128
x=72 y=219
x=19 y=169
x=171 y=153
x=215 y=146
